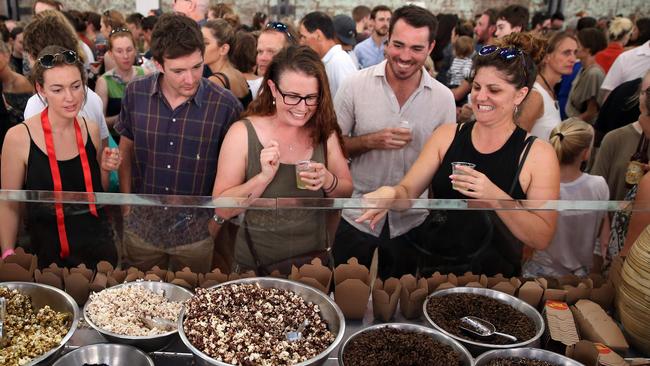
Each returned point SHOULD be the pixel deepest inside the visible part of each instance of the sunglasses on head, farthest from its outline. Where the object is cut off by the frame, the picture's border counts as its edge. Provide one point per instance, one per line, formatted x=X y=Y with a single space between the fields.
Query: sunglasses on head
x=49 y=61
x=280 y=27
x=119 y=30
x=506 y=54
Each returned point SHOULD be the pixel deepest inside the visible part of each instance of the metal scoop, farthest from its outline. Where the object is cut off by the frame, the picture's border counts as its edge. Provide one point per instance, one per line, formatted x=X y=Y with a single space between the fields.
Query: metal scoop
x=158 y=323
x=3 y=315
x=296 y=335
x=482 y=327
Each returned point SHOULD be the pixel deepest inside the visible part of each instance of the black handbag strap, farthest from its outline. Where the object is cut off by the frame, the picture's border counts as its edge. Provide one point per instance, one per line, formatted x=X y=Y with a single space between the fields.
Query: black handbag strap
x=528 y=144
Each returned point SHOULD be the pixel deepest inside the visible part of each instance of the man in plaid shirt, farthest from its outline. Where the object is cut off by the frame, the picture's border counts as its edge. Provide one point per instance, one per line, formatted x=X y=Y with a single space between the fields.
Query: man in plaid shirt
x=172 y=124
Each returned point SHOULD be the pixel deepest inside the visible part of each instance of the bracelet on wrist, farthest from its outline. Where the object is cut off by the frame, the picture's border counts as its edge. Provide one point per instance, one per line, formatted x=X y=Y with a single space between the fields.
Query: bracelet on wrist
x=332 y=187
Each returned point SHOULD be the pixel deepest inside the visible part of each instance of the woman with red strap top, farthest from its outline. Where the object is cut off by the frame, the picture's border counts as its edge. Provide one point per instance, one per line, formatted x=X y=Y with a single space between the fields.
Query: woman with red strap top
x=57 y=151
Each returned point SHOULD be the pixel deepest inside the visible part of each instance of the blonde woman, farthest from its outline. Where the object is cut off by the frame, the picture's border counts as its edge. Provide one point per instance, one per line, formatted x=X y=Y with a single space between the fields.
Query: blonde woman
x=579 y=233
x=619 y=34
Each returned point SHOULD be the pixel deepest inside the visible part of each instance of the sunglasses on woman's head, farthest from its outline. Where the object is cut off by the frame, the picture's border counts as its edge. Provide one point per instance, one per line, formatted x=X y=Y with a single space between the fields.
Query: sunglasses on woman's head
x=49 y=61
x=119 y=30
x=280 y=27
x=506 y=54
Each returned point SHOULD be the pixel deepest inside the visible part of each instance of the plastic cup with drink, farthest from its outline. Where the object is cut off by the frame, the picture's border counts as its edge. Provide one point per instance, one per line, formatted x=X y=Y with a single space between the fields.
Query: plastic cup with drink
x=302 y=166
x=455 y=171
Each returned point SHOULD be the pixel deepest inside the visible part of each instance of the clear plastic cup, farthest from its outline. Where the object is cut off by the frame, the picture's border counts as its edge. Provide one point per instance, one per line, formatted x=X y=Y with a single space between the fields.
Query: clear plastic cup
x=456 y=171
x=302 y=166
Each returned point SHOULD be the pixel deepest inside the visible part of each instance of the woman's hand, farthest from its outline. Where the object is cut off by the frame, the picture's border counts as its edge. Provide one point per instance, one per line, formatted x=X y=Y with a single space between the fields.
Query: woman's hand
x=316 y=178
x=475 y=184
x=270 y=160
x=111 y=159
x=374 y=215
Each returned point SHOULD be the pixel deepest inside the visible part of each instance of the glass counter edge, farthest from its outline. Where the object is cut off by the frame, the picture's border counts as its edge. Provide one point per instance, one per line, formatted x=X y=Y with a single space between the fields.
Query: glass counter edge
x=315 y=203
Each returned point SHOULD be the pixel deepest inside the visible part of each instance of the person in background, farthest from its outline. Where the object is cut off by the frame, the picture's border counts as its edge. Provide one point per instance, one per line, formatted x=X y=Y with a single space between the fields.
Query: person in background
x=292 y=120
x=641 y=32
x=485 y=27
x=17 y=49
x=274 y=37
x=259 y=21
x=640 y=218
x=194 y=9
x=112 y=84
x=93 y=26
x=583 y=97
x=578 y=233
x=619 y=34
x=134 y=24
x=361 y=16
x=386 y=114
x=111 y=19
x=541 y=113
x=243 y=59
x=42 y=5
x=76 y=20
x=317 y=32
x=512 y=19
x=346 y=35
x=58 y=150
x=461 y=66
x=443 y=53
x=188 y=117
x=226 y=12
x=371 y=51
x=557 y=21
x=47 y=28
x=219 y=39
x=16 y=89
x=540 y=22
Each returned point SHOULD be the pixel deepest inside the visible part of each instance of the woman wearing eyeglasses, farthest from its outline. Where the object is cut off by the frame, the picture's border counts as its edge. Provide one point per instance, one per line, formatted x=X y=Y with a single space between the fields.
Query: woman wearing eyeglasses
x=509 y=164
x=292 y=120
x=56 y=150
x=219 y=38
x=110 y=86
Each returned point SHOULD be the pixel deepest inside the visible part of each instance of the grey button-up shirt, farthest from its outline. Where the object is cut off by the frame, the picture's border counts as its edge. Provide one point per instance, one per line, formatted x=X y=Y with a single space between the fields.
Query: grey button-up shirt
x=365 y=103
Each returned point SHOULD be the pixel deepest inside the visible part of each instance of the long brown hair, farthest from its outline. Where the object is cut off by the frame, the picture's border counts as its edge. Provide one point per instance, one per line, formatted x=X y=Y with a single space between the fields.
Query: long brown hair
x=305 y=60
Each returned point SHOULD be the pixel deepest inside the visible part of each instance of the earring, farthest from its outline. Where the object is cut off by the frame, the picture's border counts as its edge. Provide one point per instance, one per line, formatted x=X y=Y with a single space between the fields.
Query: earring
x=516 y=110
x=273 y=101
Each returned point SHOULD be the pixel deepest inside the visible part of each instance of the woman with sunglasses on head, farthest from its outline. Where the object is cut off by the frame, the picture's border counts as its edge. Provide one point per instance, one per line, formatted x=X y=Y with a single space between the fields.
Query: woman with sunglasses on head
x=110 y=86
x=111 y=19
x=292 y=120
x=541 y=111
x=219 y=38
x=509 y=164
x=56 y=150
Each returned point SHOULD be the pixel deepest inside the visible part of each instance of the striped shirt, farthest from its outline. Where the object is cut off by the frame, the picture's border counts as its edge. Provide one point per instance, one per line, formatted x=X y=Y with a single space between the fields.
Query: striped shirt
x=176 y=153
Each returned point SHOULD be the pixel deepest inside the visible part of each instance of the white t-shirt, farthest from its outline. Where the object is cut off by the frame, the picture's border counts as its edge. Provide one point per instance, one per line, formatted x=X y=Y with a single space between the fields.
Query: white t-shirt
x=629 y=65
x=551 y=117
x=93 y=110
x=255 y=85
x=90 y=58
x=572 y=247
x=338 y=66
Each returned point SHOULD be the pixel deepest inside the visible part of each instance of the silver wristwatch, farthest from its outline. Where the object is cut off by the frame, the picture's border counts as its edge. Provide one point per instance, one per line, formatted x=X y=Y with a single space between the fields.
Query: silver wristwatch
x=218 y=219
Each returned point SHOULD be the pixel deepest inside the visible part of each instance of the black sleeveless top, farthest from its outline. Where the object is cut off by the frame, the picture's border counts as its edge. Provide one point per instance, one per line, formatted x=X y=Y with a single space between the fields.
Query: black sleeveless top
x=245 y=100
x=476 y=241
x=90 y=238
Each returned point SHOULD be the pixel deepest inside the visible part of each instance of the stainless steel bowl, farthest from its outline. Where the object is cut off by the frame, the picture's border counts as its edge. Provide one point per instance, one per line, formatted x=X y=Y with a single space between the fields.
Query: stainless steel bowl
x=477 y=348
x=106 y=353
x=329 y=311
x=465 y=357
x=532 y=353
x=58 y=300
x=147 y=343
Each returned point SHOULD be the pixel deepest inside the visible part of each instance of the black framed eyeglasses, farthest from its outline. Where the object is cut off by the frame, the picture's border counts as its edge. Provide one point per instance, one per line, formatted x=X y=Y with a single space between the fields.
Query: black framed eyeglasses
x=49 y=61
x=506 y=54
x=280 y=27
x=119 y=30
x=292 y=99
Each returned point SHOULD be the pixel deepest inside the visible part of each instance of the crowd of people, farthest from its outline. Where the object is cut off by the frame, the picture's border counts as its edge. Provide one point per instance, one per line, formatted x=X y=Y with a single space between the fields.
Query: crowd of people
x=379 y=104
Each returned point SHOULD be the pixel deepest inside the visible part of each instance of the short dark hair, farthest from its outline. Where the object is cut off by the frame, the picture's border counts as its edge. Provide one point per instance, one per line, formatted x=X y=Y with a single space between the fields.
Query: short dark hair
x=360 y=12
x=557 y=16
x=539 y=18
x=75 y=18
x=643 y=25
x=174 y=36
x=592 y=38
x=321 y=21
x=417 y=17
x=135 y=18
x=244 y=52
x=492 y=15
x=516 y=15
x=15 y=32
x=586 y=22
x=93 y=18
x=378 y=8
x=148 y=23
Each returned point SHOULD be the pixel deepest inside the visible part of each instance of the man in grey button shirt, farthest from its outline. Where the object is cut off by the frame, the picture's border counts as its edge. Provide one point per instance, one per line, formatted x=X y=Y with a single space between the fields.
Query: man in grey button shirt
x=387 y=112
